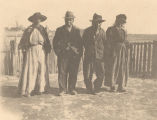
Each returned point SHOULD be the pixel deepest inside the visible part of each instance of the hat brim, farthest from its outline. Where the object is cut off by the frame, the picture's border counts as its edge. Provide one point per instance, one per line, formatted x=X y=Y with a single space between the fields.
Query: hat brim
x=33 y=18
x=97 y=20
x=69 y=17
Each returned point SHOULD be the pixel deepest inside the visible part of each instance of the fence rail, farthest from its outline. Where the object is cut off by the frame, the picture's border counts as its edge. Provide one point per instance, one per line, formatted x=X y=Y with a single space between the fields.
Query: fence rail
x=142 y=59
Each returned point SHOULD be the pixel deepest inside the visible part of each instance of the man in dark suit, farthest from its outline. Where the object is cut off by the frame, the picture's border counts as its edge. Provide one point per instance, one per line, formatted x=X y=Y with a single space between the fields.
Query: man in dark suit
x=94 y=55
x=118 y=45
x=67 y=44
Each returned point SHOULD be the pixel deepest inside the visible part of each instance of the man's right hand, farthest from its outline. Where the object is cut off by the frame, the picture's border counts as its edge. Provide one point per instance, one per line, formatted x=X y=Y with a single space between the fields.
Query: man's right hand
x=75 y=50
x=67 y=48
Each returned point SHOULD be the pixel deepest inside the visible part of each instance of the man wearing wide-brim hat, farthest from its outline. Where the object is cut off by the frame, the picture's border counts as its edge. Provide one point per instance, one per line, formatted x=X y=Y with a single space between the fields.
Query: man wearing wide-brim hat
x=67 y=44
x=94 y=55
x=117 y=67
x=35 y=45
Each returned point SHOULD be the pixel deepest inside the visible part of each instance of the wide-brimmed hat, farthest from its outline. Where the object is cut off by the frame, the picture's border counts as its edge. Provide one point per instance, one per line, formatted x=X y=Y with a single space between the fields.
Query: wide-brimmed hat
x=36 y=16
x=121 y=17
x=97 y=18
x=69 y=14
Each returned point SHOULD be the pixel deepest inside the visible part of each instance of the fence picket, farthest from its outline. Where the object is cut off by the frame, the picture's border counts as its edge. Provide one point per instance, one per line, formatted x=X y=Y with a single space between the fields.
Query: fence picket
x=140 y=59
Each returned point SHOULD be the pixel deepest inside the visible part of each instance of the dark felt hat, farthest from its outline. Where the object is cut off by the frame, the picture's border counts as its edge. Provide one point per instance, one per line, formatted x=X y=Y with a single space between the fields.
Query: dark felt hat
x=36 y=16
x=121 y=17
x=97 y=17
x=69 y=14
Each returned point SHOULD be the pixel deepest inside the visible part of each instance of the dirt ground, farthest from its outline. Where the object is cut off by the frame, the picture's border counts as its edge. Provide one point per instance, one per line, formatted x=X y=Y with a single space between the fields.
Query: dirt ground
x=138 y=103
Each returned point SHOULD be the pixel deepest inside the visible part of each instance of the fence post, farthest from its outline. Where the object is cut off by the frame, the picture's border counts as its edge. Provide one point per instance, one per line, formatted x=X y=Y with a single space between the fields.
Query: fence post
x=149 y=59
x=11 y=68
x=140 y=59
x=144 y=59
x=137 y=60
x=134 y=58
x=130 y=57
x=154 y=60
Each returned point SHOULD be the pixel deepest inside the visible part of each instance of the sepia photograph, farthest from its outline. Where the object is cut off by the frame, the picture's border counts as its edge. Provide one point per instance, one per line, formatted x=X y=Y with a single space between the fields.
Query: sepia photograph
x=78 y=60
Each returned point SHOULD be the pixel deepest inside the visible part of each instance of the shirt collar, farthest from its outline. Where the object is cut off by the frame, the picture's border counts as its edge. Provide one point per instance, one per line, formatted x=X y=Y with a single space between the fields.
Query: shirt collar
x=66 y=28
x=98 y=30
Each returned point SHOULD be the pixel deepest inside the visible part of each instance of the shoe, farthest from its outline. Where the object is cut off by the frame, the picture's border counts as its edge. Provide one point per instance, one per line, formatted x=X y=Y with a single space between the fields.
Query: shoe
x=39 y=93
x=112 y=89
x=27 y=95
x=45 y=92
x=121 y=90
x=91 y=92
x=96 y=90
x=73 y=92
x=61 y=93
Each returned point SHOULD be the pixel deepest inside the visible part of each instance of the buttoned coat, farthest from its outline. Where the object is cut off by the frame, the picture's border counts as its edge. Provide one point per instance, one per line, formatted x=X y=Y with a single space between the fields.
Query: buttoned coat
x=117 y=63
x=94 y=44
x=63 y=37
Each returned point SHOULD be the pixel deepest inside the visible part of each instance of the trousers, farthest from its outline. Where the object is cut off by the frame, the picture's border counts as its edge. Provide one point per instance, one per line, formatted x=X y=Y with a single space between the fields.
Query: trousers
x=67 y=72
x=89 y=67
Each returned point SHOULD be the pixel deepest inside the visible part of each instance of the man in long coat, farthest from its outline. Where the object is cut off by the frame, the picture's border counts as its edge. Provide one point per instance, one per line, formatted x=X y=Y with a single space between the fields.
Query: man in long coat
x=117 y=67
x=35 y=46
x=67 y=44
x=94 y=55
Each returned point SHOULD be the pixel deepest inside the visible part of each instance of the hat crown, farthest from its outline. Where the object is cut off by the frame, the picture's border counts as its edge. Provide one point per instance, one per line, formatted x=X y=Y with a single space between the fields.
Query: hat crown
x=121 y=16
x=69 y=14
x=37 y=15
x=97 y=17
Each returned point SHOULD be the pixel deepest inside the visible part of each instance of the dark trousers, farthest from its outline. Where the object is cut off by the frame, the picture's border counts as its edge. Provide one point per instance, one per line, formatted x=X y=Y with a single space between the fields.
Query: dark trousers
x=89 y=67
x=67 y=73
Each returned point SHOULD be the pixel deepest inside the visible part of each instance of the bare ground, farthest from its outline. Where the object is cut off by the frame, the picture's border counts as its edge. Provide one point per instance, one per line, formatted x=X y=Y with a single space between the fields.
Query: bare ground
x=138 y=103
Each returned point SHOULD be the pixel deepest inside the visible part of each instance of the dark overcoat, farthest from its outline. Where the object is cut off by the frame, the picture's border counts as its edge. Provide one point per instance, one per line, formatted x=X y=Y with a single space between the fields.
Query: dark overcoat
x=117 y=62
x=63 y=37
x=94 y=44
x=68 y=47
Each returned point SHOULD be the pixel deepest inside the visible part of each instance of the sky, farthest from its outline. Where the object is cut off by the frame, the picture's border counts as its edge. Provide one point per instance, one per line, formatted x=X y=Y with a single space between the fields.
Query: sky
x=141 y=14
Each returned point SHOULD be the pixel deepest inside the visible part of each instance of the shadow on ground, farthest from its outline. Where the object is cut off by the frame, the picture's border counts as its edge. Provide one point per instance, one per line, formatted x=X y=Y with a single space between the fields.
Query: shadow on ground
x=53 y=91
x=9 y=91
x=12 y=91
x=84 y=91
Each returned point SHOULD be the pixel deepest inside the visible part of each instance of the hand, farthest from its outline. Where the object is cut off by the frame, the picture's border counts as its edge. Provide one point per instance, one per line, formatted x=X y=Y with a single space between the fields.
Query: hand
x=67 y=48
x=19 y=46
x=75 y=50
x=127 y=43
x=23 y=50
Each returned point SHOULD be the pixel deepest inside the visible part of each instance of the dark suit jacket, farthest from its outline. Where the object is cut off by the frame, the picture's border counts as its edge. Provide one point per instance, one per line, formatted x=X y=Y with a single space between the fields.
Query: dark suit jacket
x=115 y=35
x=94 y=44
x=115 y=38
x=63 y=37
